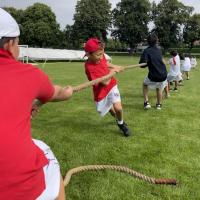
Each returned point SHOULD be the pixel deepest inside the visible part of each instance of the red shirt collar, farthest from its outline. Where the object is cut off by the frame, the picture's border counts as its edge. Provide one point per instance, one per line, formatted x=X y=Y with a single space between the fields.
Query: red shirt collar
x=5 y=54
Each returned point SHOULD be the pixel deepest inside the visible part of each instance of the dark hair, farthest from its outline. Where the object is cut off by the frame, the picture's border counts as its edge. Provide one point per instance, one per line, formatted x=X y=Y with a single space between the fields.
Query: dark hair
x=4 y=40
x=152 y=39
x=173 y=53
x=187 y=55
x=182 y=57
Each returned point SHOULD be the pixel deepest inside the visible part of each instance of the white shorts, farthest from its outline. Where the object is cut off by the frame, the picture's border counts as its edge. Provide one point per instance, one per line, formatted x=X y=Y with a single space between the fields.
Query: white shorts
x=186 y=68
x=106 y=104
x=171 y=78
x=51 y=173
x=155 y=85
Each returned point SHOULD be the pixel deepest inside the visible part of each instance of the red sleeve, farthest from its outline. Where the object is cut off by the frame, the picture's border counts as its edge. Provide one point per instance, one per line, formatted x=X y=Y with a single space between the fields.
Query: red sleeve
x=46 y=88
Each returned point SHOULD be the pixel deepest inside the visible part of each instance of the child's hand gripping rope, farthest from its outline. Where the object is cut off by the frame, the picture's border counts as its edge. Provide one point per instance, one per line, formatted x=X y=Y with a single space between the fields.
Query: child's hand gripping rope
x=104 y=78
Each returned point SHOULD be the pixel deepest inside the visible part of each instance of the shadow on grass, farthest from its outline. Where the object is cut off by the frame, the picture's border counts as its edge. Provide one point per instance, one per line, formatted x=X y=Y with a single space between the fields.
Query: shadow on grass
x=88 y=125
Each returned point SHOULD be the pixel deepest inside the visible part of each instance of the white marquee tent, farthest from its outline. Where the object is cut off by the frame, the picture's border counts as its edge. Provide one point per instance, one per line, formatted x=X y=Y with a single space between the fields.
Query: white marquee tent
x=34 y=54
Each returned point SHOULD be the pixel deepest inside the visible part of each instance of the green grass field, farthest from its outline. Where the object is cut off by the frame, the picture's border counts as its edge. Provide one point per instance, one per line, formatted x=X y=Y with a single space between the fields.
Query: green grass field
x=165 y=144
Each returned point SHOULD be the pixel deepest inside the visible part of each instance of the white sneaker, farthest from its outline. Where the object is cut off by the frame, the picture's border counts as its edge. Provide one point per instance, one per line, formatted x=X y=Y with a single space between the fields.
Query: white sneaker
x=147 y=105
x=167 y=96
x=158 y=106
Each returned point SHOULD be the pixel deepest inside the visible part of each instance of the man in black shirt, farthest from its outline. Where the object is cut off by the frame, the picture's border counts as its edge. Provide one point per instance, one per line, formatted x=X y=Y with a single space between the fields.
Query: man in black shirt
x=157 y=75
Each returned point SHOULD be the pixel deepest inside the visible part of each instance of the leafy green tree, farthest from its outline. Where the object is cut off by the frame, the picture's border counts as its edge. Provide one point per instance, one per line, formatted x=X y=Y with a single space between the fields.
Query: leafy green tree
x=191 y=31
x=37 y=34
x=39 y=27
x=115 y=45
x=68 y=37
x=91 y=19
x=130 y=20
x=169 y=16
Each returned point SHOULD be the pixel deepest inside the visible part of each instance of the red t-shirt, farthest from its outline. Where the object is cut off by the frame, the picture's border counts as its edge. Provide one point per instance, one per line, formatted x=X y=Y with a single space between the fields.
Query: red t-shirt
x=21 y=161
x=94 y=71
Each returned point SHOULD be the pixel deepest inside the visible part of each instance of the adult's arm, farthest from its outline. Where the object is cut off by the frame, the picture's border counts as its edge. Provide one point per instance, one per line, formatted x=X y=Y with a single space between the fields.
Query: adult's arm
x=61 y=93
x=143 y=59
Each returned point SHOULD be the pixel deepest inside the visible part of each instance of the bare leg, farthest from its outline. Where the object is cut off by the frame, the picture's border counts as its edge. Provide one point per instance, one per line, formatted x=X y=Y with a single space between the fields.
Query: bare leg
x=118 y=111
x=61 y=195
x=145 y=93
x=167 y=90
x=119 y=115
x=168 y=86
x=112 y=112
x=176 y=84
x=159 y=95
x=187 y=75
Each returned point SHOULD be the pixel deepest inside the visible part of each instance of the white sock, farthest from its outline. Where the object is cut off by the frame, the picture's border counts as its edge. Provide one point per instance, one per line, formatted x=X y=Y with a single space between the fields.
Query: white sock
x=120 y=122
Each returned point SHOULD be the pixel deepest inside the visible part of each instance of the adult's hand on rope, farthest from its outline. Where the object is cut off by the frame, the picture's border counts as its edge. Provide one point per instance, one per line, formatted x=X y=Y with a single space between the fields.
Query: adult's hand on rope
x=34 y=110
x=62 y=93
x=69 y=90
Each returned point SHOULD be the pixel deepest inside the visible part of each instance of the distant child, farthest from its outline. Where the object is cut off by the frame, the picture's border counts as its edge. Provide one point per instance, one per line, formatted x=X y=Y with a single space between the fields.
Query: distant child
x=157 y=75
x=174 y=71
x=186 y=66
x=106 y=93
x=182 y=60
x=193 y=62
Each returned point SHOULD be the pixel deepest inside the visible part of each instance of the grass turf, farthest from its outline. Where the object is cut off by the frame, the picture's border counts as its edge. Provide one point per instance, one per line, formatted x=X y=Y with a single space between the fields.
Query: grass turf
x=164 y=144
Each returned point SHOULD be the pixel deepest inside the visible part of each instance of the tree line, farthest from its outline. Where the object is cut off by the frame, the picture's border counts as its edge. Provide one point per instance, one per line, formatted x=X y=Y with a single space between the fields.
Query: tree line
x=127 y=25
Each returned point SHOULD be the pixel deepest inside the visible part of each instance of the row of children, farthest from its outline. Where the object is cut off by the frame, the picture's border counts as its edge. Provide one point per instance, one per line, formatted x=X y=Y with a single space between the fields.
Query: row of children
x=179 y=66
x=106 y=94
x=158 y=78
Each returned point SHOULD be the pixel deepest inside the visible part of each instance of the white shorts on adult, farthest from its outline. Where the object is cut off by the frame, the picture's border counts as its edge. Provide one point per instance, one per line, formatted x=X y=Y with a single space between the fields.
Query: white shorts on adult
x=106 y=104
x=51 y=173
x=155 y=85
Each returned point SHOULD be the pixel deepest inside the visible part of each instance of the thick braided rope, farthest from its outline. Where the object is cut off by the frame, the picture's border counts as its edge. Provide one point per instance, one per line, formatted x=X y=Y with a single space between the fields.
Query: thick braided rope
x=91 y=83
x=117 y=168
x=104 y=78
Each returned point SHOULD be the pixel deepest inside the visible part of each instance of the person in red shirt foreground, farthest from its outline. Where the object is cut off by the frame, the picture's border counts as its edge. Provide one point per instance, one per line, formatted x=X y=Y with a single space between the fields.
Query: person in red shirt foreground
x=106 y=93
x=28 y=168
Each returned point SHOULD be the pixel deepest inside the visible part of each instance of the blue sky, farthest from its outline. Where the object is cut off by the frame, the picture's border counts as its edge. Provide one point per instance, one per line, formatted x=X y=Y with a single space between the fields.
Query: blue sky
x=64 y=9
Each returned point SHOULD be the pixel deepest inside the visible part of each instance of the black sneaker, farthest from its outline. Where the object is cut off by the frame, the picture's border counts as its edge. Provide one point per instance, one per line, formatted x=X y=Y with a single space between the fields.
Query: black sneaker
x=158 y=106
x=147 y=105
x=124 y=128
x=175 y=90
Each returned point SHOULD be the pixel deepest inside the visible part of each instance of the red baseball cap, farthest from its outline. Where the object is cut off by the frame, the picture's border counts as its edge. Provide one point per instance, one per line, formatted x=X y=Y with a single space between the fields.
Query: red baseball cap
x=92 y=45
